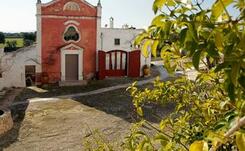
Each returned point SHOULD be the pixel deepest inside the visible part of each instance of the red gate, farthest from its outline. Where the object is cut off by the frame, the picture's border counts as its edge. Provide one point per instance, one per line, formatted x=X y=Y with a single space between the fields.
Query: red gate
x=112 y=63
x=118 y=63
x=134 y=63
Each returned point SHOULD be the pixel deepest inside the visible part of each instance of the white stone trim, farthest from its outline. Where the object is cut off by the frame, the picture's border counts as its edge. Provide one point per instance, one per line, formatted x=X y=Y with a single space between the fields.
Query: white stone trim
x=71 y=40
x=98 y=35
x=72 y=22
x=39 y=37
x=54 y=1
x=64 y=51
x=69 y=17
x=75 y=5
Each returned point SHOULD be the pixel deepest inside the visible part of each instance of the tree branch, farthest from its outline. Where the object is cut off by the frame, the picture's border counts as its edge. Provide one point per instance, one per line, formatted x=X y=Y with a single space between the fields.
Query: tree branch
x=237 y=126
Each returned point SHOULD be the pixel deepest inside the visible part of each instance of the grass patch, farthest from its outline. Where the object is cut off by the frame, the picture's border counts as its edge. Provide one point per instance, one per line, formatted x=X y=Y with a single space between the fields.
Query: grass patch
x=20 y=42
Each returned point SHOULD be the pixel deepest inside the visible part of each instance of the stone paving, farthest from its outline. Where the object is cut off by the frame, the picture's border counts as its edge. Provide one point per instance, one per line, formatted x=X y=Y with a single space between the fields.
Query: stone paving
x=61 y=125
x=63 y=122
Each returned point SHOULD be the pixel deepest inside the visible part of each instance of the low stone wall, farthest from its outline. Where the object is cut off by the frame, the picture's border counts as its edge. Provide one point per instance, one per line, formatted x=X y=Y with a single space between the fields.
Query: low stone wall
x=6 y=121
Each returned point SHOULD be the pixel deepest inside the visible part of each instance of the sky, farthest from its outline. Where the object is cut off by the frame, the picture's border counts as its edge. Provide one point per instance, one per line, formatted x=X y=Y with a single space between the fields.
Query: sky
x=19 y=15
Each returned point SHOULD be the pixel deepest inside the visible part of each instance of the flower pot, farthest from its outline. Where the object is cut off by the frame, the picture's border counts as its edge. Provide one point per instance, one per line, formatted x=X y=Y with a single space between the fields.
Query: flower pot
x=146 y=71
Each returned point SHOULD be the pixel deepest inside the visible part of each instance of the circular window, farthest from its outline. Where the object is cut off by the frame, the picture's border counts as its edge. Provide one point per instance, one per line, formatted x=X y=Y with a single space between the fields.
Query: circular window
x=71 y=34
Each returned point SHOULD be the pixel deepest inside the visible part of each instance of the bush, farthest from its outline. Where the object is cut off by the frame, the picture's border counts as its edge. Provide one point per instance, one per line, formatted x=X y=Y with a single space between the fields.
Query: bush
x=2 y=38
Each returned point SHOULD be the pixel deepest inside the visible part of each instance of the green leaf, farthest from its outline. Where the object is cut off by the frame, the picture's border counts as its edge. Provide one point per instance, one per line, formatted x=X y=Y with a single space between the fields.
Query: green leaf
x=163 y=124
x=241 y=45
x=167 y=28
x=231 y=91
x=235 y=73
x=161 y=137
x=216 y=136
x=140 y=38
x=158 y=21
x=199 y=146
x=196 y=59
x=145 y=48
x=140 y=111
x=240 y=141
x=183 y=35
x=154 y=48
x=171 y=3
x=218 y=41
x=219 y=125
x=141 y=145
x=158 y=4
x=221 y=66
x=191 y=32
x=242 y=81
x=218 y=8
x=212 y=52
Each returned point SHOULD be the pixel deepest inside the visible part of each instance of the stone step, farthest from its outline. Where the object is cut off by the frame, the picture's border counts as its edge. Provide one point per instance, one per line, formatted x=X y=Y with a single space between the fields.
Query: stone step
x=73 y=83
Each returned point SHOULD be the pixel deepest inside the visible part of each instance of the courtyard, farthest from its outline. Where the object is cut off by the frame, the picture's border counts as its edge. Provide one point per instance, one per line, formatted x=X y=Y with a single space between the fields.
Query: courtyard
x=65 y=124
x=64 y=118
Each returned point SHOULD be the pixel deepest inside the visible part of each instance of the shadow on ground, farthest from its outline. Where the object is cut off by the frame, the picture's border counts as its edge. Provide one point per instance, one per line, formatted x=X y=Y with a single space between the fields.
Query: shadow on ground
x=18 y=115
x=55 y=90
x=119 y=103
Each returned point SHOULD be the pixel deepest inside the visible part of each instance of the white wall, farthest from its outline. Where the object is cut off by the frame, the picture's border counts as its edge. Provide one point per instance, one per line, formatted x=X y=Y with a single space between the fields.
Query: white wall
x=126 y=36
x=1 y=79
x=16 y=62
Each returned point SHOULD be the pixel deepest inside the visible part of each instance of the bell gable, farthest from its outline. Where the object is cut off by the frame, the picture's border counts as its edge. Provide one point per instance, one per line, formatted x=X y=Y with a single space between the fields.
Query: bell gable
x=69 y=8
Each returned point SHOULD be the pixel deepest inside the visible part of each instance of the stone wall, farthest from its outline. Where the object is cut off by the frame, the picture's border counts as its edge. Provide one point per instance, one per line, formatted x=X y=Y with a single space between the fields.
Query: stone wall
x=6 y=121
x=1 y=79
x=15 y=62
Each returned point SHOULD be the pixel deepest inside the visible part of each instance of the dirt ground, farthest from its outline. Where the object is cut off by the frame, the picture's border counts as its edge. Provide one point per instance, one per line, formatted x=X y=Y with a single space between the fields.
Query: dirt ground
x=60 y=126
x=64 y=125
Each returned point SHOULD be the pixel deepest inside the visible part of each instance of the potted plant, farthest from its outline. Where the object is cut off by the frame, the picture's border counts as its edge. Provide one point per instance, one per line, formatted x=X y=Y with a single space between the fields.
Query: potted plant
x=146 y=70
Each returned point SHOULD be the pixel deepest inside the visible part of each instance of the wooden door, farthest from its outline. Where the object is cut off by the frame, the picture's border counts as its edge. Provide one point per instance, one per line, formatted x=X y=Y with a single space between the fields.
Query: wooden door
x=134 y=63
x=71 y=67
x=30 y=75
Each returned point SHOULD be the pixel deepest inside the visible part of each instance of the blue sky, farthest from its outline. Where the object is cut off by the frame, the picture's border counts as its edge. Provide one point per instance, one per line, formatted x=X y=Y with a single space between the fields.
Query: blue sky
x=19 y=15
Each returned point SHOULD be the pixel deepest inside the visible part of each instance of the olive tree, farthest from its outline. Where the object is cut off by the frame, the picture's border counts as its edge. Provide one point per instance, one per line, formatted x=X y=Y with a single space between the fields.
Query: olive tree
x=210 y=111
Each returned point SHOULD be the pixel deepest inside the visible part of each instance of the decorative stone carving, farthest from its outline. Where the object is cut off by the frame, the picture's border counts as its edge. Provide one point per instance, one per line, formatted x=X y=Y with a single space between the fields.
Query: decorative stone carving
x=71 y=6
x=71 y=34
x=6 y=121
